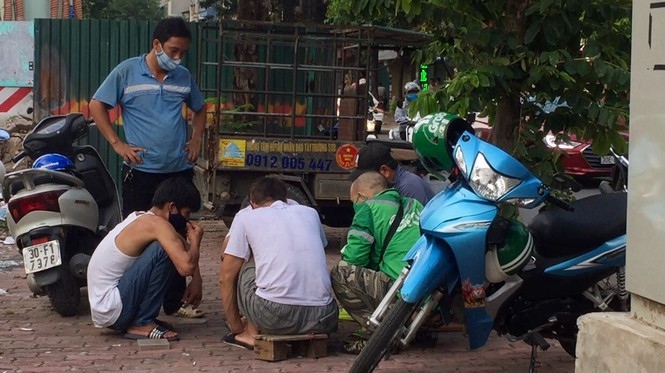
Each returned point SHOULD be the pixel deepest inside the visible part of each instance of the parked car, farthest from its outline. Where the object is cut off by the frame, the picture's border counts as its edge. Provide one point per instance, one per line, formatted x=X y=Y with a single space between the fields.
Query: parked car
x=579 y=161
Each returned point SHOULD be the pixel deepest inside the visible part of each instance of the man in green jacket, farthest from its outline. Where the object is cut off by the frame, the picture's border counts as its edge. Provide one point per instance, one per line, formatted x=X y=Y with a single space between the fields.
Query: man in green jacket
x=364 y=275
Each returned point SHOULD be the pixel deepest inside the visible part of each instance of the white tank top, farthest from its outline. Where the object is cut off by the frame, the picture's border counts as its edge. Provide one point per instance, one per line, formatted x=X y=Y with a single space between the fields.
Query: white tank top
x=105 y=269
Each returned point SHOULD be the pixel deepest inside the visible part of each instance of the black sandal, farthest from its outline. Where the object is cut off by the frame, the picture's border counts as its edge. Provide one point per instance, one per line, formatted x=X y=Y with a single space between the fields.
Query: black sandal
x=230 y=339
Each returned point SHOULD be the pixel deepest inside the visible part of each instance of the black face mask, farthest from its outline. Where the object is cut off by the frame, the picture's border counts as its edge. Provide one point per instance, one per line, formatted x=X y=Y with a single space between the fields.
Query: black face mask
x=179 y=223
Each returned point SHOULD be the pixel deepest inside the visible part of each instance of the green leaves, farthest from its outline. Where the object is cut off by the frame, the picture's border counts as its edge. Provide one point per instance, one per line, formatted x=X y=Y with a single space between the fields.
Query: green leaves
x=531 y=32
x=123 y=9
x=577 y=52
x=359 y=6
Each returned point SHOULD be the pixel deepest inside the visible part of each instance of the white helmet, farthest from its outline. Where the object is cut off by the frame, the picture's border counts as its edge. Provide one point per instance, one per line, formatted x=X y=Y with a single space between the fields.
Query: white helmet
x=503 y=262
x=411 y=87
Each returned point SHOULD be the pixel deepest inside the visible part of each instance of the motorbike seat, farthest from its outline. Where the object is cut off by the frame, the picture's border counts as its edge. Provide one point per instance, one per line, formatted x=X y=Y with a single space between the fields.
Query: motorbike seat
x=596 y=219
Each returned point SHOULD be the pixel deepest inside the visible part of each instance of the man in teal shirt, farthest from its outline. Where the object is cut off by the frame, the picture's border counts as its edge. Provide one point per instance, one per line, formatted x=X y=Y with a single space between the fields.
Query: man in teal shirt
x=364 y=275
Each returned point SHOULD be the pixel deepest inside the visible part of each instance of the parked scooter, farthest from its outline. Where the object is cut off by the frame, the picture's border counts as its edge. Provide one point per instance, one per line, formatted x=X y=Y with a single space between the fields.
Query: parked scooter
x=4 y=136
x=477 y=267
x=60 y=209
x=618 y=181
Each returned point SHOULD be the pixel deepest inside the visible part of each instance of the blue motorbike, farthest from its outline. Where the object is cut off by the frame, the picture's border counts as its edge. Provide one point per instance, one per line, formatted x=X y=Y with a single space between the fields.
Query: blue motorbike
x=493 y=273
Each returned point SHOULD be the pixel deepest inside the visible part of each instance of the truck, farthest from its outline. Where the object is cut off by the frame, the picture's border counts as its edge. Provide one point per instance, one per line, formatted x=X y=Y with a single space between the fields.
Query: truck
x=288 y=100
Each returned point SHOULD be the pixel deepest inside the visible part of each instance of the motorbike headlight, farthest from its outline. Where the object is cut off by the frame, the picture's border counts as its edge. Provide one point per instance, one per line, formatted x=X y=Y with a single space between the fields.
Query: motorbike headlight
x=459 y=160
x=552 y=142
x=488 y=183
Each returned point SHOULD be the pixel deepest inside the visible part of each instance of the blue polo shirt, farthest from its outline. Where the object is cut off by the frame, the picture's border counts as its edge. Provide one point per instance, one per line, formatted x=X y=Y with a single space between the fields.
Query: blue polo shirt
x=152 y=112
x=409 y=184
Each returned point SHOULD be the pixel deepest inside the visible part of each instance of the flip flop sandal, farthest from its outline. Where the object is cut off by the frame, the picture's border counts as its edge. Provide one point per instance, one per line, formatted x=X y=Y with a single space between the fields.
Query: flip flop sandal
x=353 y=346
x=158 y=332
x=190 y=312
x=344 y=315
x=230 y=339
x=165 y=324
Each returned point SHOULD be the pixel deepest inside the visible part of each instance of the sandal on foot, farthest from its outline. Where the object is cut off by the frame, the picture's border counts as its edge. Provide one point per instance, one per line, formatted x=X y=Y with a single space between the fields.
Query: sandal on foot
x=230 y=339
x=353 y=344
x=158 y=332
x=165 y=324
x=190 y=312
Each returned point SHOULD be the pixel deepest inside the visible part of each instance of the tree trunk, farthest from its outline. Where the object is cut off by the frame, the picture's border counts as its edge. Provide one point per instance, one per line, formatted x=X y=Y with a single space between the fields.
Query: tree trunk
x=396 y=69
x=508 y=111
x=253 y=10
x=505 y=123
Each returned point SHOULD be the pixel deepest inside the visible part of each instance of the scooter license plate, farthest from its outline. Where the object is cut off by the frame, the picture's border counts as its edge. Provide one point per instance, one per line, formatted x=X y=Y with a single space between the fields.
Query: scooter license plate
x=43 y=256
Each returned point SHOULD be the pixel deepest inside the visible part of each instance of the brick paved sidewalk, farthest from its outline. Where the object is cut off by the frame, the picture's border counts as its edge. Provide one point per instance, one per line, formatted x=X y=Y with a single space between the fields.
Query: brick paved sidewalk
x=33 y=338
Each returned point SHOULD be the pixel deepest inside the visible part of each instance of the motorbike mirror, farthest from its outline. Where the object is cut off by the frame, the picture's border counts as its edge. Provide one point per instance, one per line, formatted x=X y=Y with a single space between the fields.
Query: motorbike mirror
x=4 y=135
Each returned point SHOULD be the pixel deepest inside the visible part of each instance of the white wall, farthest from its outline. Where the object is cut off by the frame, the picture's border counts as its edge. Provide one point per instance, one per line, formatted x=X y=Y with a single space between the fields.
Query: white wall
x=646 y=198
x=177 y=7
x=17 y=49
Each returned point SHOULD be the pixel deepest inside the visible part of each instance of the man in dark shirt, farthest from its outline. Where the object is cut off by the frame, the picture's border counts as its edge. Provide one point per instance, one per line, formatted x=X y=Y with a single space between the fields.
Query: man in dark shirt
x=376 y=156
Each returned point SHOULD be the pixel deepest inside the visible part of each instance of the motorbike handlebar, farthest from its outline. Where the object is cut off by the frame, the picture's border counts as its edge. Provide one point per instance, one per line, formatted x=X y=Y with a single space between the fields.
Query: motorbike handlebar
x=560 y=203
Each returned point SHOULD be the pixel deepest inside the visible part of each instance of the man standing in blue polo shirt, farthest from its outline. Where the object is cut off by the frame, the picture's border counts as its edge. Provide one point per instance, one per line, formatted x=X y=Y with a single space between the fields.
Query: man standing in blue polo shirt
x=151 y=90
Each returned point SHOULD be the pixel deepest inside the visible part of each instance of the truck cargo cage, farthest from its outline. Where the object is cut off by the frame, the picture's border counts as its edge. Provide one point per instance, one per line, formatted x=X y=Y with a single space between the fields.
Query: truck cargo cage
x=276 y=80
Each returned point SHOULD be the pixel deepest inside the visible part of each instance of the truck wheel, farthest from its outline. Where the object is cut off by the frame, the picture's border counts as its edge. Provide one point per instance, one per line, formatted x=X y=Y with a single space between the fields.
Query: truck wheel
x=297 y=195
x=292 y=192
x=228 y=220
x=65 y=294
x=337 y=216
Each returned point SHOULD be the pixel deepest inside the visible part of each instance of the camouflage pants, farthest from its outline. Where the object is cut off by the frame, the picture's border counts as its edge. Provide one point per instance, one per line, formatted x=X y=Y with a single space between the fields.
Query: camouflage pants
x=359 y=290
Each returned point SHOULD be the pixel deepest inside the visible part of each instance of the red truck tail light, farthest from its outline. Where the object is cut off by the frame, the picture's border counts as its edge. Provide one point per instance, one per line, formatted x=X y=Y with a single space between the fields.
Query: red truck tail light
x=47 y=201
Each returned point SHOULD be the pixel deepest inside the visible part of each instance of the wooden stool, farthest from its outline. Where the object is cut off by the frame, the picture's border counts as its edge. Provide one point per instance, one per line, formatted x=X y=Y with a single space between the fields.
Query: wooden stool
x=279 y=347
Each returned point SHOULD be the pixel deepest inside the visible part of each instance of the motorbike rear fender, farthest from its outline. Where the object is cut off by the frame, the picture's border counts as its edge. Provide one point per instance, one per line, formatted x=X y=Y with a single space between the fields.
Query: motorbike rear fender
x=47 y=277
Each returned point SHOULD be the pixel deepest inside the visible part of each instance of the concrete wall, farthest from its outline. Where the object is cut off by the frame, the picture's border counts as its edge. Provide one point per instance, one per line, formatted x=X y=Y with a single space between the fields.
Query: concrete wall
x=35 y=9
x=17 y=50
x=176 y=7
x=646 y=197
x=635 y=341
x=620 y=343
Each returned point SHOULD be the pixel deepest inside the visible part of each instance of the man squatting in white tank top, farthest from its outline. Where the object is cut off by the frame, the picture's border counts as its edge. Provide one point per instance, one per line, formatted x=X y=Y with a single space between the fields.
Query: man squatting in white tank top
x=132 y=268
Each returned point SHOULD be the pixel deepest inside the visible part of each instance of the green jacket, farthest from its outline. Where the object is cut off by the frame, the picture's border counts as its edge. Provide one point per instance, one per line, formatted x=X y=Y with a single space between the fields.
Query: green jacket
x=369 y=229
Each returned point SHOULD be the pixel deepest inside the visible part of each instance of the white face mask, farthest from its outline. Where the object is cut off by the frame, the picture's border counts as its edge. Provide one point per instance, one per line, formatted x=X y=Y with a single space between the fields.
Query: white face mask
x=165 y=62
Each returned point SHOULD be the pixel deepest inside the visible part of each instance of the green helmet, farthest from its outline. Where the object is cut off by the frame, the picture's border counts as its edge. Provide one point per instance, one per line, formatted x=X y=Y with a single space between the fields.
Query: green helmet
x=434 y=137
x=512 y=256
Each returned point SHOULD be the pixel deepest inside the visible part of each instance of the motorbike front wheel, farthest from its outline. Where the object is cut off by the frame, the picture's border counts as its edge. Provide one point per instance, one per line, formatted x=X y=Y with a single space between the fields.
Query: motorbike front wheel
x=383 y=337
x=65 y=294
